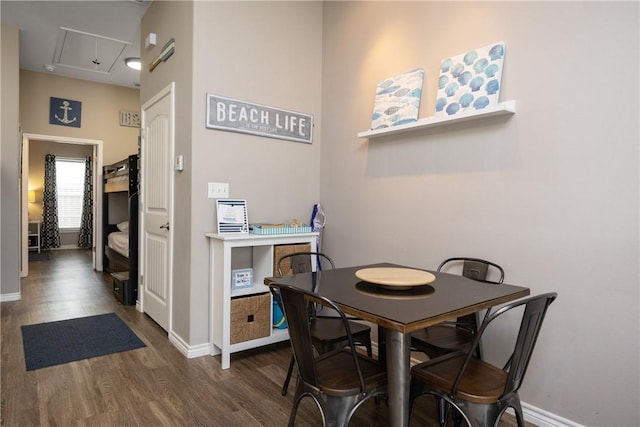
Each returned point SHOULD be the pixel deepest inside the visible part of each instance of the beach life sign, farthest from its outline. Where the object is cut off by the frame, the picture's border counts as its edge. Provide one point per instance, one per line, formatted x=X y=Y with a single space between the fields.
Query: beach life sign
x=246 y=117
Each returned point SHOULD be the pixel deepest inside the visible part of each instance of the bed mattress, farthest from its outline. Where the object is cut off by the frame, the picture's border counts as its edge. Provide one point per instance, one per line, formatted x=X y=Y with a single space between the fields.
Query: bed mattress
x=119 y=242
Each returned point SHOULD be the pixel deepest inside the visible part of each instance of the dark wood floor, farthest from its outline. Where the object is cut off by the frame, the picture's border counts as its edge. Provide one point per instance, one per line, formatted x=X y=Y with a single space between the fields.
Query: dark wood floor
x=151 y=386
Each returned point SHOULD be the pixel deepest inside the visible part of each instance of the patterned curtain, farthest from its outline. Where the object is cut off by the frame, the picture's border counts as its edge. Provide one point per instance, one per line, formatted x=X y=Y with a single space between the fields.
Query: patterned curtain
x=50 y=232
x=85 y=239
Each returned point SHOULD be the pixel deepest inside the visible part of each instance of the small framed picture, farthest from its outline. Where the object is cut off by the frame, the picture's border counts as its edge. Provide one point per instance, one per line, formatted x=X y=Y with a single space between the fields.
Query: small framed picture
x=130 y=119
x=65 y=112
x=232 y=216
x=242 y=278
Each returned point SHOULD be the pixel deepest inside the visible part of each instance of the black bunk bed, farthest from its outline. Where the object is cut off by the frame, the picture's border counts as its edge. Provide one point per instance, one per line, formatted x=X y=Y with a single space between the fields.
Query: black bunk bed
x=120 y=231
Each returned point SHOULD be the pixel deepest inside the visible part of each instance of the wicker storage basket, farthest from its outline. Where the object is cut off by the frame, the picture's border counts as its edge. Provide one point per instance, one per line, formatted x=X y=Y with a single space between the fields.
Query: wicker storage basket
x=250 y=317
x=281 y=250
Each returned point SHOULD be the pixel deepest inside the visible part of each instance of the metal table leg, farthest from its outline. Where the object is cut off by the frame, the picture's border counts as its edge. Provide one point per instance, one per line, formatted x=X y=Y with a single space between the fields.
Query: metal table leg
x=399 y=376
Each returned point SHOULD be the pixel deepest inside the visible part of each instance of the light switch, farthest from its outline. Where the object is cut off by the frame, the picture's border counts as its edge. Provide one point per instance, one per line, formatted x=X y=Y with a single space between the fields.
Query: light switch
x=218 y=190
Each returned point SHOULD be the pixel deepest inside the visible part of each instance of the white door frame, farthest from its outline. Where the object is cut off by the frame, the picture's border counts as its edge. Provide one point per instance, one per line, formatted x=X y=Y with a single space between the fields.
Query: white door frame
x=97 y=195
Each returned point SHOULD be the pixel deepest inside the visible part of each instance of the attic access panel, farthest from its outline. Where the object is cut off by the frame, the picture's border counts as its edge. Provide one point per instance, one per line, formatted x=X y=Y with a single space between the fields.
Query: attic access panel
x=86 y=51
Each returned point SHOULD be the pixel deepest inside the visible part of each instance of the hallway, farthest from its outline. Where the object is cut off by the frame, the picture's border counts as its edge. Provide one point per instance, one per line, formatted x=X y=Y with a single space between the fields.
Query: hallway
x=152 y=386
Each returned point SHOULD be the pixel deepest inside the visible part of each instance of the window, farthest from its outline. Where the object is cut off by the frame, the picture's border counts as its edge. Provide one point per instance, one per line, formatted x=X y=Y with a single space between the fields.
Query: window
x=70 y=183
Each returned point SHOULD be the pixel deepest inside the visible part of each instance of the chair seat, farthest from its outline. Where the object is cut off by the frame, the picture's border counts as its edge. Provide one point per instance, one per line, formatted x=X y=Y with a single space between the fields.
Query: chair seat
x=331 y=330
x=481 y=383
x=442 y=339
x=338 y=377
x=479 y=391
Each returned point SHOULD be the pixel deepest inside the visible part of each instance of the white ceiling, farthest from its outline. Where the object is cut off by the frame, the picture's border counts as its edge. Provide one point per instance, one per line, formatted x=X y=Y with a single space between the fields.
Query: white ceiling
x=67 y=35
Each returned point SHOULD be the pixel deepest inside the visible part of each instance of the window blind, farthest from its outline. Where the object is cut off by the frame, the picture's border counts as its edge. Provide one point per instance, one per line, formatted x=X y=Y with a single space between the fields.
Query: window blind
x=70 y=189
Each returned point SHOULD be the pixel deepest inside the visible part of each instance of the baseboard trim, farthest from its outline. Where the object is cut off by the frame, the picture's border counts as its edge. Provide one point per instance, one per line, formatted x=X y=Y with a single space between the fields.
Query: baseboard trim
x=16 y=296
x=188 y=351
x=542 y=418
x=178 y=343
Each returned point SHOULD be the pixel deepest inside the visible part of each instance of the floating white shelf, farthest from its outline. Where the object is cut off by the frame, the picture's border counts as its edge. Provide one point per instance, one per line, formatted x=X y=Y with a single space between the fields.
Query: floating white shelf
x=504 y=108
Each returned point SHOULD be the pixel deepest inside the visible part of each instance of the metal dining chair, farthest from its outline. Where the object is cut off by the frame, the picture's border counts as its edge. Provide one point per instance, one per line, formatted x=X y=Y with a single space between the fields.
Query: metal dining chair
x=479 y=391
x=338 y=381
x=458 y=335
x=327 y=332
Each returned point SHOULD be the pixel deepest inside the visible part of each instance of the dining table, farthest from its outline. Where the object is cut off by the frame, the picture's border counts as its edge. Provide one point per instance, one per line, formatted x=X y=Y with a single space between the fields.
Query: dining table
x=399 y=308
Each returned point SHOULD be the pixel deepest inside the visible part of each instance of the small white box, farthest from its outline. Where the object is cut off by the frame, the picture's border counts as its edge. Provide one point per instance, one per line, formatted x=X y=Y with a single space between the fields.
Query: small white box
x=242 y=278
x=150 y=40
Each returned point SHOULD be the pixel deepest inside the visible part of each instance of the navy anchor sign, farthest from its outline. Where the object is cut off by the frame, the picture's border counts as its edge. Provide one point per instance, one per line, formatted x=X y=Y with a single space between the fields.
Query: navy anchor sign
x=64 y=112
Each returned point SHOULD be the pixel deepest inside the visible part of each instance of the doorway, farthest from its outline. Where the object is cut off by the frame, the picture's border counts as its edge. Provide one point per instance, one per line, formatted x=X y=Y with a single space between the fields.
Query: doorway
x=97 y=196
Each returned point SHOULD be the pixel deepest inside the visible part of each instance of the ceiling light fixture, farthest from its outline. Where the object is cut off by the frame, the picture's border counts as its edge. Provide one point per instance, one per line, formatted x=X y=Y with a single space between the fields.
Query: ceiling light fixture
x=133 y=63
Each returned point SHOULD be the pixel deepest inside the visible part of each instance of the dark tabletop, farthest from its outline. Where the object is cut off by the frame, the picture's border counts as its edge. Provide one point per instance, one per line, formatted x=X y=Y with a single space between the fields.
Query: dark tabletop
x=447 y=297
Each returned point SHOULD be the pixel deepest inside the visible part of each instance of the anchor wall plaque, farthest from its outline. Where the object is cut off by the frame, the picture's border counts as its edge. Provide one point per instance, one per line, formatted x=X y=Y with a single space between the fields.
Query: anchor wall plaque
x=65 y=112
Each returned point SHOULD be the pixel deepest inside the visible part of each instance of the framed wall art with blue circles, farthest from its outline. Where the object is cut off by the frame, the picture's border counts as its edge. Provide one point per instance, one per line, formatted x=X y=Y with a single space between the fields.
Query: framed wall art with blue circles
x=470 y=81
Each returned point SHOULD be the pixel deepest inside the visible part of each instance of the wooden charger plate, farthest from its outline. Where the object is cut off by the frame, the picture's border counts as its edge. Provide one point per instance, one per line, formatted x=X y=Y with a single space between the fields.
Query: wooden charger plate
x=395 y=277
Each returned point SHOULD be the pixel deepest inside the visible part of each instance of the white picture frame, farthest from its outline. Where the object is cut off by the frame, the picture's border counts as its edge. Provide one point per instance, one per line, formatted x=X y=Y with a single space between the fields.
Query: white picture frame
x=232 y=216
x=242 y=278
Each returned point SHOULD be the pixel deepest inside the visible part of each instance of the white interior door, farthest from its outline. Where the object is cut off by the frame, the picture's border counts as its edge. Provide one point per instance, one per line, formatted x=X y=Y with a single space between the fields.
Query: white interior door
x=156 y=160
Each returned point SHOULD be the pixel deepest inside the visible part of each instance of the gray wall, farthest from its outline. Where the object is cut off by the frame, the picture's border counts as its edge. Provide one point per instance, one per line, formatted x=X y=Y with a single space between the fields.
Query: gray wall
x=10 y=159
x=551 y=193
x=262 y=52
x=267 y=53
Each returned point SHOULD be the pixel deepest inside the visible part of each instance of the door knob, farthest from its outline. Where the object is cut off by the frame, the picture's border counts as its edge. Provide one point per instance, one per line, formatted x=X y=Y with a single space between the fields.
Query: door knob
x=165 y=226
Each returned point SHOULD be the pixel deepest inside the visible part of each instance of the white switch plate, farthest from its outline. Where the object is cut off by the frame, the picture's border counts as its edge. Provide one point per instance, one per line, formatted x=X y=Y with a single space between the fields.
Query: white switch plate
x=180 y=163
x=218 y=190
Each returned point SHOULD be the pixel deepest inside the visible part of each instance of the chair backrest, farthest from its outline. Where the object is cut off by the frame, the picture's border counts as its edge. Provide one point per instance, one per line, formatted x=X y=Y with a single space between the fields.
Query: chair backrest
x=296 y=304
x=535 y=310
x=301 y=262
x=475 y=268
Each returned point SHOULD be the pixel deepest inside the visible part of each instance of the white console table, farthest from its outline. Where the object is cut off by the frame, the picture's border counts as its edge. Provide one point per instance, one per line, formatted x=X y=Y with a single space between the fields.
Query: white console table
x=220 y=256
x=34 y=235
